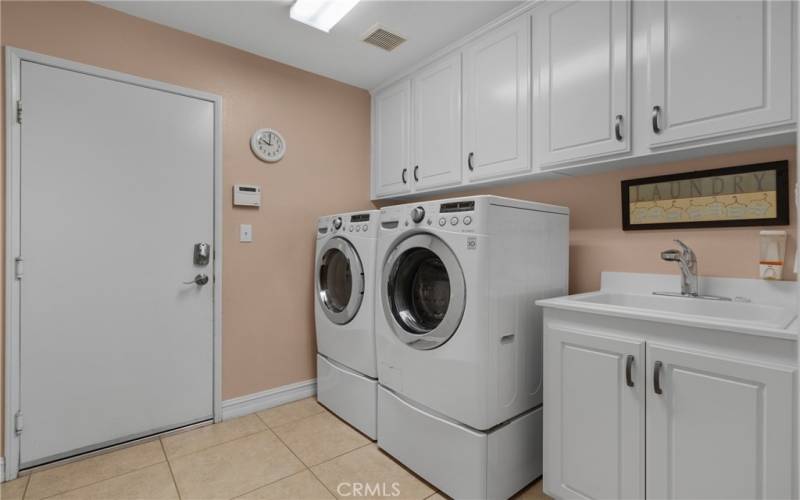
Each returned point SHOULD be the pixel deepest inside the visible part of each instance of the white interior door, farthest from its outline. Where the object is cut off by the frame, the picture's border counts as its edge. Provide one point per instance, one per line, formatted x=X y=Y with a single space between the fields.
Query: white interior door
x=117 y=185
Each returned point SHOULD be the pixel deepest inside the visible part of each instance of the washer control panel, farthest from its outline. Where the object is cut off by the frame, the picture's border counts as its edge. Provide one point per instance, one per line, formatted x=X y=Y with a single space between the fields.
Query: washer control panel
x=458 y=216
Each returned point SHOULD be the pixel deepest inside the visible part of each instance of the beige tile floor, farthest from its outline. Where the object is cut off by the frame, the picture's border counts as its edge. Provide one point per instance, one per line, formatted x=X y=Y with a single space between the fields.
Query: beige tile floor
x=295 y=451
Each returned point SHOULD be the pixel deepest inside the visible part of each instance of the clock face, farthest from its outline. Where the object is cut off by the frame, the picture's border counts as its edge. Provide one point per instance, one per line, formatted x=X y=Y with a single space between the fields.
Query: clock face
x=268 y=144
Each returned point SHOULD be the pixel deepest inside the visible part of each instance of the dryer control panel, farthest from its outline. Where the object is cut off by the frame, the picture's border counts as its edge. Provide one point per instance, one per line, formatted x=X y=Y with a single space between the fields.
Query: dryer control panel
x=356 y=224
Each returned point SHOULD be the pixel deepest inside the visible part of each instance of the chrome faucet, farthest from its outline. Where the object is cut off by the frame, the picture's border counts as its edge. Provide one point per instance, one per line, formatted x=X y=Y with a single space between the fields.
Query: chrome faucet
x=688 y=262
x=686 y=258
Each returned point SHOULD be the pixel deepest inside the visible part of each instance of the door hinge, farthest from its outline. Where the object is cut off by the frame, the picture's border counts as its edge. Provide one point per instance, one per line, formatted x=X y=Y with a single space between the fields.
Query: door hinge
x=19 y=111
x=18 y=422
x=18 y=268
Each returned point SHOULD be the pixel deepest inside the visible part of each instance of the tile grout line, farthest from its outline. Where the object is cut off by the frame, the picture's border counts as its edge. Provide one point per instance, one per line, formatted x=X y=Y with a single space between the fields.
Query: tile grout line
x=324 y=410
x=117 y=476
x=169 y=466
x=27 y=483
x=307 y=467
x=340 y=455
x=266 y=427
x=272 y=482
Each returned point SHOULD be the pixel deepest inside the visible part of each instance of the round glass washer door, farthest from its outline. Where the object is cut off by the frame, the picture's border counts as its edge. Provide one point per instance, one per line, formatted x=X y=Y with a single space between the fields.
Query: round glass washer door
x=340 y=280
x=423 y=291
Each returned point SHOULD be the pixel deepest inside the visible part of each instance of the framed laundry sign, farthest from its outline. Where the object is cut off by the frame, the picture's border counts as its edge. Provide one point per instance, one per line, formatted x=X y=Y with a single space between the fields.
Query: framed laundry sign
x=746 y=195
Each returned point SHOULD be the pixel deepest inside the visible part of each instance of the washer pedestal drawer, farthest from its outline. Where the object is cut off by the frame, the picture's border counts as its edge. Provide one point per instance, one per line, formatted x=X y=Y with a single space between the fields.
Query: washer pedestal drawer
x=460 y=461
x=348 y=394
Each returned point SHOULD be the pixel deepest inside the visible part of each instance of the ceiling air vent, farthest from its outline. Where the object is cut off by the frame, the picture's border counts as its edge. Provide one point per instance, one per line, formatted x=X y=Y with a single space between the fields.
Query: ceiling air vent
x=383 y=38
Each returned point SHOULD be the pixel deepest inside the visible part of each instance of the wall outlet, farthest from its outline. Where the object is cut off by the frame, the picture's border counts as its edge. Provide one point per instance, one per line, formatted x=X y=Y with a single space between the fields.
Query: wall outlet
x=245 y=233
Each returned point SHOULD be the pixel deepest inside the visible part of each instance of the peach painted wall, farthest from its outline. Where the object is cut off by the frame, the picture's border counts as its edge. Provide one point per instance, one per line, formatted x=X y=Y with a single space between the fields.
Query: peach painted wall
x=267 y=303
x=597 y=242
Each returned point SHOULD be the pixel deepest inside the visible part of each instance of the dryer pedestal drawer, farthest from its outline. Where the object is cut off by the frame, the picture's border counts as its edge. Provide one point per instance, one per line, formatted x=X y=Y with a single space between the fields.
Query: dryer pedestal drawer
x=462 y=462
x=348 y=394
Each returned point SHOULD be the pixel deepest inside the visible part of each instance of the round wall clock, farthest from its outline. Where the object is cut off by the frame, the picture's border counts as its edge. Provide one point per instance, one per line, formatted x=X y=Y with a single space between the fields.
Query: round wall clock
x=268 y=144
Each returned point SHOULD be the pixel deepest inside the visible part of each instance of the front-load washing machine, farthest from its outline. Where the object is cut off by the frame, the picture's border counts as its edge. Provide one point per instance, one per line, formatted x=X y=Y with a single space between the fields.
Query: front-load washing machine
x=459 y=338
x=344 y=314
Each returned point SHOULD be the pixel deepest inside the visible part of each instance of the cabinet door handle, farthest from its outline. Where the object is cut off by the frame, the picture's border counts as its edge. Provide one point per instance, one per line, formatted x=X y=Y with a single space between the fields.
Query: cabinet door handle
x=628 y=370
x=657 y=119
x=416 y=169
x=657 y=377
x=469 y=161
x=618 y=127
x=403 y=176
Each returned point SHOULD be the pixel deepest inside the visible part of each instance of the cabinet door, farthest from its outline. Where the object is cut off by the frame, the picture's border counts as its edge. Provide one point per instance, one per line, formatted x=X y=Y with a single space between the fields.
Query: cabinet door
x=720 y=428
x=717 y=67
x=593 y=415
x=437 y=124
x=497 y=102
x=392 y=140
x=581 y=80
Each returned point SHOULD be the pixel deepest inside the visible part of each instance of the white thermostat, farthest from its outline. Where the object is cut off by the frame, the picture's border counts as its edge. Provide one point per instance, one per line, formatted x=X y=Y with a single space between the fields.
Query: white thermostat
x=246 y=196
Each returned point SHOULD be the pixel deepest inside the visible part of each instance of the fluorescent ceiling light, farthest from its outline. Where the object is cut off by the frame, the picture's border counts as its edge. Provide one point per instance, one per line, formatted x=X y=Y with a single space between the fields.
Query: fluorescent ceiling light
x=321 y=14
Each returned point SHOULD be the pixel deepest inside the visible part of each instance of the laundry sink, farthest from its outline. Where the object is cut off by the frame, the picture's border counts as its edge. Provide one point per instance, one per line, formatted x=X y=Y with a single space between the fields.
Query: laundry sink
x=755 y=306
x=769 y=316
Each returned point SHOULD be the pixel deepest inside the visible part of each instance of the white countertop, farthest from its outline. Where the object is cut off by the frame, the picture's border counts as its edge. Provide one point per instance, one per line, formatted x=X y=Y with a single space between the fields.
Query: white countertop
x=776 y=298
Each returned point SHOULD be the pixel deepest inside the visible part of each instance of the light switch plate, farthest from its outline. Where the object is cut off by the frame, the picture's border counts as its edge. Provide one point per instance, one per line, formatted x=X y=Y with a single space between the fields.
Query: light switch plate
x=246 y=233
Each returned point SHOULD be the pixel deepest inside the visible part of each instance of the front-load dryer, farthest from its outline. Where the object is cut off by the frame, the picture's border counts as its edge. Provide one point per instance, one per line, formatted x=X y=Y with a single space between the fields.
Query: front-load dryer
x=459 y=338
x=344 y=315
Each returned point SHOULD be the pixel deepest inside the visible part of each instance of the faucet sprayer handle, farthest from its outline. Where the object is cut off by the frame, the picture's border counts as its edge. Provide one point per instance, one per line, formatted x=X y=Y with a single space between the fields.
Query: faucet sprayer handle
x=686 y=250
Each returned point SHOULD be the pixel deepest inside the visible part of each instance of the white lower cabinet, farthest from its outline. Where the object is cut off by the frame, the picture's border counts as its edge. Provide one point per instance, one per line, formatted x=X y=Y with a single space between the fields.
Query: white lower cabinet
x=593 y=415
x=717 y=427
x=706 y=425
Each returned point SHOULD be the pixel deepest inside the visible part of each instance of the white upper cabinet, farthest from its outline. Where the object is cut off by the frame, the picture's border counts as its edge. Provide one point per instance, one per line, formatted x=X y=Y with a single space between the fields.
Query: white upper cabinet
x=391 y=140
x=581 y=74
x=594 y=417
x=437 y=124
x=717 y=68
x=497 y=102
x=564 y=86
x=718 y=427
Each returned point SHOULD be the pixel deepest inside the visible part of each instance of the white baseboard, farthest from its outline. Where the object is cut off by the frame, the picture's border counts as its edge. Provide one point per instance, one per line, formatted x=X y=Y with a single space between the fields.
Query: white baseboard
x=251 y=403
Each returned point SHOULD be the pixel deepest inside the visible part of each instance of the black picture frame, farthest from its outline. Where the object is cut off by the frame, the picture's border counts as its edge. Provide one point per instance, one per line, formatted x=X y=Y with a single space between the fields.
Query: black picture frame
x=781 y=169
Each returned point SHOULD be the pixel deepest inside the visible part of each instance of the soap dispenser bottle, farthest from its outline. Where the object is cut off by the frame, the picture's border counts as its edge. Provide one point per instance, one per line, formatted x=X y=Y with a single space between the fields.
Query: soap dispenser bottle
x=773 y=251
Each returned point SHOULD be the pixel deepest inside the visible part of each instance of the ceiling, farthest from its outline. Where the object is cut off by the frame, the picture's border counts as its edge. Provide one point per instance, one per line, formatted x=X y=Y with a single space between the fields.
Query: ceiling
x=264 y=28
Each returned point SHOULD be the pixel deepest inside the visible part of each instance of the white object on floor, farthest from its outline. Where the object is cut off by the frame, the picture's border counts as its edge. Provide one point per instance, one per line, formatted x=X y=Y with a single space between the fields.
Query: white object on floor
x=344 y=276
x=456 y=330
x=348 y=394
x=462 y=462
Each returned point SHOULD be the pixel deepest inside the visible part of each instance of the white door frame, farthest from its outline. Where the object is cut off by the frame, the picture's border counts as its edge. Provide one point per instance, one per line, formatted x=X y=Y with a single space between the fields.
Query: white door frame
x=14 y=58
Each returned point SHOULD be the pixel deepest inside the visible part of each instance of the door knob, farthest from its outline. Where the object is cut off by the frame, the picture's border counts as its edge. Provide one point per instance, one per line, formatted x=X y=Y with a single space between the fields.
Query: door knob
x=200 y=279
